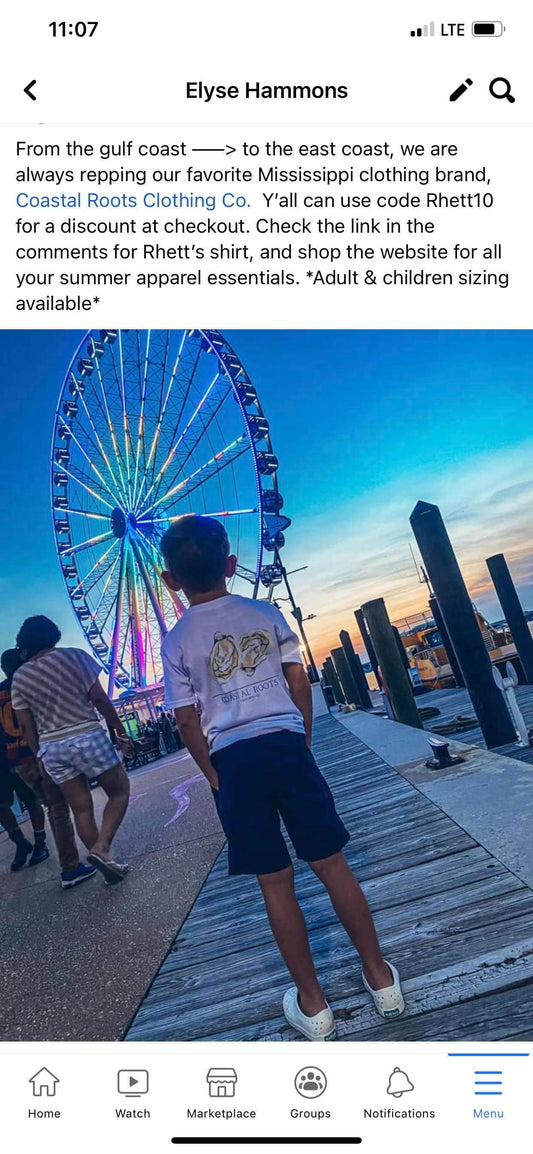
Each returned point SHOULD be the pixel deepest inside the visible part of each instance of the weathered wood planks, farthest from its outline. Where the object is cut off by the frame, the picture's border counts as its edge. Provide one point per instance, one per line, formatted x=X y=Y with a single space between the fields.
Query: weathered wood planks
x=457 y=923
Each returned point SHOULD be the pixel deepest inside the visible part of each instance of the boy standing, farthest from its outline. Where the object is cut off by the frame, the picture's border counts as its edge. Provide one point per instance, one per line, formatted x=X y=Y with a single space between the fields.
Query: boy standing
x=240 y=663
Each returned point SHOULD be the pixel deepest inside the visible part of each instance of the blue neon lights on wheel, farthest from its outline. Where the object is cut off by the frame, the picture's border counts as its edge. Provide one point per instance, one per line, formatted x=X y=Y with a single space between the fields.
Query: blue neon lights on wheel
x=151 y=425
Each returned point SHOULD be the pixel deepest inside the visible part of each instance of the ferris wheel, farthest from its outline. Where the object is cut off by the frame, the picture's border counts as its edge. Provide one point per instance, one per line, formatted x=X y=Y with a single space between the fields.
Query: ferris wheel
x=151 y=425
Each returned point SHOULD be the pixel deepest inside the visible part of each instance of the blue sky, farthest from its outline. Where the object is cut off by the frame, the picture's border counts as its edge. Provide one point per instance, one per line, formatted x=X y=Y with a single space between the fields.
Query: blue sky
x=364 y=425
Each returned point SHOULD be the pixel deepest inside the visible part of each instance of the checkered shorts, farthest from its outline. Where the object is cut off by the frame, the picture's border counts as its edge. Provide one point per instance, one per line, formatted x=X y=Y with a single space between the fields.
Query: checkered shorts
x=89 y=753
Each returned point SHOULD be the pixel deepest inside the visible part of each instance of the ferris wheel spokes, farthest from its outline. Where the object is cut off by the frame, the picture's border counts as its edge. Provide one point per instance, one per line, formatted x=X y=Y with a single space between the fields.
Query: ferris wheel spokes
x=93 y=569
x=181 y=438
x=95 y=361
x=114 y=495
x=140 y=430
x=161 y=416
x=79 y=481
x=115 y=640
x=236 y=449
x=88 y=543
x=150 y=424
x=219 y=513
x=79 y=394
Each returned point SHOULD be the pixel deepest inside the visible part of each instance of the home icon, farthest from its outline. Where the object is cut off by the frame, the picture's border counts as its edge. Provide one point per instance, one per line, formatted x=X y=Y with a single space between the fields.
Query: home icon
x=221 y=1082
x=44 y=1084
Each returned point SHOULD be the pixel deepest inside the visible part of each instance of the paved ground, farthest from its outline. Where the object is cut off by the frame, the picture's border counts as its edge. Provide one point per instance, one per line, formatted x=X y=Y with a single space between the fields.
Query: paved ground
x=75 y=964
x=455 y=920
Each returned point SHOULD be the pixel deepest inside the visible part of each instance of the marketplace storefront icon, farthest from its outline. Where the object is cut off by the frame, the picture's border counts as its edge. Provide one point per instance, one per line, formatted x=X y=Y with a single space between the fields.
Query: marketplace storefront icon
x=221 y=1082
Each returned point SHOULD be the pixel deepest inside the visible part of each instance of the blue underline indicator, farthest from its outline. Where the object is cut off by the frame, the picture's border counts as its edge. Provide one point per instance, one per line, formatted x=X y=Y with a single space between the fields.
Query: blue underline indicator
x=488 y=1093
x=488 y=1071
x=462 y=1054
x=488 y=1083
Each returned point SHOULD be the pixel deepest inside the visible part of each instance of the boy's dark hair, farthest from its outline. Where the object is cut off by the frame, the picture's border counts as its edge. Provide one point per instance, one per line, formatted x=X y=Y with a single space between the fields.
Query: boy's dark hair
x=196 y=550
x=10 y=662
x=37 y=633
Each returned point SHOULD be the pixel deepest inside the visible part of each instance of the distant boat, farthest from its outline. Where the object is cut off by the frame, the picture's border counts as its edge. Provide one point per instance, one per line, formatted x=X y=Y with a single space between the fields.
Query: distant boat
x=427 y=655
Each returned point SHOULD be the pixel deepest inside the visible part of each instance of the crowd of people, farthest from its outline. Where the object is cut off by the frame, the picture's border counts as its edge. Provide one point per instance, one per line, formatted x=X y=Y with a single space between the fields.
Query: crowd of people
x=53 y=744
x=163 y=730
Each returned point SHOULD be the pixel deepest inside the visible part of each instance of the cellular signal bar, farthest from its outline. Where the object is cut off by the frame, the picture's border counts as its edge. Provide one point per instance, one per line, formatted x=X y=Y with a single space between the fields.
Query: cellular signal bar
x=425 y=30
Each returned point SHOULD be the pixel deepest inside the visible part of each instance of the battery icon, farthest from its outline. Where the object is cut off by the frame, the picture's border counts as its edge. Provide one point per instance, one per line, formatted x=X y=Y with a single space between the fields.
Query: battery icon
x=487 y=28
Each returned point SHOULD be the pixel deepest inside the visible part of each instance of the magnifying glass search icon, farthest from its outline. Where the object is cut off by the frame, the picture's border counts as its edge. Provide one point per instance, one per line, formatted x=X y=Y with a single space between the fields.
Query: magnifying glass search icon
x=506 y=94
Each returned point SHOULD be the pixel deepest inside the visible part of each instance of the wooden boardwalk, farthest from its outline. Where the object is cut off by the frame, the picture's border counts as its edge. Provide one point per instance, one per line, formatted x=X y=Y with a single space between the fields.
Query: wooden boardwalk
x=451 y=702
x=457 y=923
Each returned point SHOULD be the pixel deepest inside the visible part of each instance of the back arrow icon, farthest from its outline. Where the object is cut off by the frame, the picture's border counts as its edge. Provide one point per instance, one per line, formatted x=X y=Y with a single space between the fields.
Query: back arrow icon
x=28 y=89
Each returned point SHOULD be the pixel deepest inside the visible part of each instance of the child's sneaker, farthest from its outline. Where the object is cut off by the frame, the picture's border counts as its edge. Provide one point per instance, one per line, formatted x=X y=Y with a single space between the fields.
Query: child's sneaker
x=82 y=873
x=318 y=1028
x=22 y=852
x=388 y=1001
x=40 y=853
x=40 y=850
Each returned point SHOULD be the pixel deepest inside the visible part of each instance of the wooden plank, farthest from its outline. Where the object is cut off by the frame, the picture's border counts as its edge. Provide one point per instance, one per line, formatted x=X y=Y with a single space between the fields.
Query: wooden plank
x=443 y=906
x=317 y=912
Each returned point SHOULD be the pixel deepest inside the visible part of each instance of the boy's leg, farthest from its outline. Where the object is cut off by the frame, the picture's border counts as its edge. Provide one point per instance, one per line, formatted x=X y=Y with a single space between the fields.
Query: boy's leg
x=61 y=825
x=290 y=932
x=8 y=819
x=33 y=806
x=28 y=797
x=353 y=911
x=78 y=795
x=116 y=784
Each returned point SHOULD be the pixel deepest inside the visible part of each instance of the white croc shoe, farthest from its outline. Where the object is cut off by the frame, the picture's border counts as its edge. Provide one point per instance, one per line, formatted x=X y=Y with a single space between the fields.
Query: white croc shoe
x=389 y=1001
x=319 y=1028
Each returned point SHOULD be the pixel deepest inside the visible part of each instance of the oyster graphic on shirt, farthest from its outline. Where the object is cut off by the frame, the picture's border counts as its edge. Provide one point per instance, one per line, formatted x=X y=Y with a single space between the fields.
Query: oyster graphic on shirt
x=224 y=657
x=254 y=647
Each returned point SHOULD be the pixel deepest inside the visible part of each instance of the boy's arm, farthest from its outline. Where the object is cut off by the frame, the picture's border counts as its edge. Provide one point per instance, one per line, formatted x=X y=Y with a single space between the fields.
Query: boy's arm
x=300 y=691
x=102 y=703
x=190 y=731
x=29 y=729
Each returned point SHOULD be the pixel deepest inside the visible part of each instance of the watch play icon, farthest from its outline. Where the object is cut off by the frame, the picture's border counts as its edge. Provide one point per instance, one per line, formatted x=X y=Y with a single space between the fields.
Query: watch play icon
x=133 y=1083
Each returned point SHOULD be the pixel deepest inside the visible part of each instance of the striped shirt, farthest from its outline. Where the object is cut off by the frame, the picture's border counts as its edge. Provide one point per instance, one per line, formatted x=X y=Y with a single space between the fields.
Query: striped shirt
x=55 y=687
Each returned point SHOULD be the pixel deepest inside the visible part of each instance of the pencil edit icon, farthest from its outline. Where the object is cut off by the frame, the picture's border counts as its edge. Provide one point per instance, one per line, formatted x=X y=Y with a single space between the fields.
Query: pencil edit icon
x=460 y=91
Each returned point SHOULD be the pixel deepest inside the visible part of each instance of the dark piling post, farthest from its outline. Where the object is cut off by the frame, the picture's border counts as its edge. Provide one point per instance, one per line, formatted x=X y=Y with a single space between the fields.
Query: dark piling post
x=333 y=680
x=367 y=642
x=401 y=648
x=358 y=672
x=456 y=608
x=513 y=612
x=397 y=679
x=446 y=641
x=345 y=676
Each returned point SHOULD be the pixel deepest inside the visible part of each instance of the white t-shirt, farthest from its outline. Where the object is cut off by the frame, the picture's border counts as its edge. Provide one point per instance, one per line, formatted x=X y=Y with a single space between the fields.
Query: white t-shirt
x=227 y=655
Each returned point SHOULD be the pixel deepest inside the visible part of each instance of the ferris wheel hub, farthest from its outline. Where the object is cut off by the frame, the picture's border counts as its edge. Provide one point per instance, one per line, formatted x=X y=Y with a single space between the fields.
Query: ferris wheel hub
x=118 y=521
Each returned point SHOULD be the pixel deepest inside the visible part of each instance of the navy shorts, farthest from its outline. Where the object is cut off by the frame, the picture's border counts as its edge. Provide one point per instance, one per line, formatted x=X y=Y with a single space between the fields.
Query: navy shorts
x=266 y=780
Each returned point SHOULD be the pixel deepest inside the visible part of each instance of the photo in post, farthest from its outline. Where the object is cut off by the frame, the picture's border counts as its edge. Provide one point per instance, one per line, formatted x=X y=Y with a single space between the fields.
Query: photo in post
x=268 y=610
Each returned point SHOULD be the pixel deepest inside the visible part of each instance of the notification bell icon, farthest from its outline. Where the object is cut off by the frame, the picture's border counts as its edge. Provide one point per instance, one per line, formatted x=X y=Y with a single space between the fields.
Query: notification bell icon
x=399 y=1083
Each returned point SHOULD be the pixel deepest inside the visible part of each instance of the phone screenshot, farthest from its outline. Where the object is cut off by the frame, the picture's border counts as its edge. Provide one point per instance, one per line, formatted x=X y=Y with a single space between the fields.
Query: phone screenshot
x=266 y=641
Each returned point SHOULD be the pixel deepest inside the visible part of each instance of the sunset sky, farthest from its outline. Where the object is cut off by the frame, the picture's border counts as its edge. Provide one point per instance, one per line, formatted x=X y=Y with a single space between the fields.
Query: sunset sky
x=364 y=424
